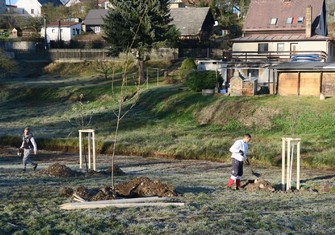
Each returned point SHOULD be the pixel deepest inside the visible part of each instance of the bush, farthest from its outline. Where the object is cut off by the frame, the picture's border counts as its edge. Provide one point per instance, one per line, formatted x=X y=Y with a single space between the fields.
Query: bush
x=198 y=80
x=187 y=66
x=6 y=65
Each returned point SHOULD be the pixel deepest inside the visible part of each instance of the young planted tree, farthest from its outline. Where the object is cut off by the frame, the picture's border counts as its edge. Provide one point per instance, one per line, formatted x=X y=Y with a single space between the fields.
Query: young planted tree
x=82 y=117
x=138 y=25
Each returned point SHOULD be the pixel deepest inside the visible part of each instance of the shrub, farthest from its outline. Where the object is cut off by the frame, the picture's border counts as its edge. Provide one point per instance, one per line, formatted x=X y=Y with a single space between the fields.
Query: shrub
x=6 y=65
x=187 y=66
x=198 y=80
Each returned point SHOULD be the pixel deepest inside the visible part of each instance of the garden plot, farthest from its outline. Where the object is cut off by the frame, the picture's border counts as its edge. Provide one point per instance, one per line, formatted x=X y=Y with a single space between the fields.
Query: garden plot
x=30 y=201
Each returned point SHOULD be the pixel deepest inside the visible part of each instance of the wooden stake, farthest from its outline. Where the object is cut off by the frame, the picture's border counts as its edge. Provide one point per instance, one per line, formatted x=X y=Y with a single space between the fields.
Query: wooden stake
x=73 y=206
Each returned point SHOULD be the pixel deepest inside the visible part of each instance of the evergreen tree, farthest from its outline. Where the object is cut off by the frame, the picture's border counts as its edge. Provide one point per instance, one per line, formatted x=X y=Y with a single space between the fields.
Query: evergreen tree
x=138 y=24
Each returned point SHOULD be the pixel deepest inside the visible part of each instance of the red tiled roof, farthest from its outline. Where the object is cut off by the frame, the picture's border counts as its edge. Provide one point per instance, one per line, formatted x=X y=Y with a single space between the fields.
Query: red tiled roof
x=261 y=11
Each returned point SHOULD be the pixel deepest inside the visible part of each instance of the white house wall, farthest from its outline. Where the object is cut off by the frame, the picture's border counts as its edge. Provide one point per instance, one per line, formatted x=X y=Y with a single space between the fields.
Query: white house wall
x=67 y=33
x=315 y=46
x=213 y=65
x=29 y=7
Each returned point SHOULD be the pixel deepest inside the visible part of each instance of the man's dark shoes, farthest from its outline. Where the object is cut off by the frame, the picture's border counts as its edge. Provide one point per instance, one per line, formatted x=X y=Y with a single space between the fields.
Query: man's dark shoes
x=24 y=170
x=35 y=166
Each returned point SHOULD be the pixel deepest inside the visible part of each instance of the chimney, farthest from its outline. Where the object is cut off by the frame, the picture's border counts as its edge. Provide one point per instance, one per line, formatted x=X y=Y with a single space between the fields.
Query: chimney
x=309 y=21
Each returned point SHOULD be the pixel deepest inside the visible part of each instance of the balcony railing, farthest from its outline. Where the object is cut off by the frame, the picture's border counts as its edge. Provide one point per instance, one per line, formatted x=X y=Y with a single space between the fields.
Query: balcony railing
x=275 y=56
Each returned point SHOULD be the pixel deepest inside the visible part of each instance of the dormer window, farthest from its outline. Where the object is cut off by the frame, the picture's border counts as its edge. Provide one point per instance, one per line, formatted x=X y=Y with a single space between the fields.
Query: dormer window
x=273 y=21
x=300 y=20
x=289 y=20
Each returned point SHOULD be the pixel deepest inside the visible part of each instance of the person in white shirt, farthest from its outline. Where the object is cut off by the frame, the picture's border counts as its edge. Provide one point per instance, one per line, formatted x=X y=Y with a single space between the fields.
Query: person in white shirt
x=239 y=154
x=28 y=145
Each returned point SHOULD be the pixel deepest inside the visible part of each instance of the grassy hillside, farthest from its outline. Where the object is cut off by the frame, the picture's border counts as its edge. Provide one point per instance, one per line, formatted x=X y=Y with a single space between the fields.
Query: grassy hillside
x=168 y=120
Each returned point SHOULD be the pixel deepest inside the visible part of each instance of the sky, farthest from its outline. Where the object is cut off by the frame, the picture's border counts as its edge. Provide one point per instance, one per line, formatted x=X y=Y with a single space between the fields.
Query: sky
x=11 y=1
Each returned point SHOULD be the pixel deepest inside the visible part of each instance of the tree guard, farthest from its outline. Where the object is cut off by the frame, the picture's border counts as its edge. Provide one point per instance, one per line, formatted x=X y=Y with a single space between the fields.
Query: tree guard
x=290 y=146
x=90 y=139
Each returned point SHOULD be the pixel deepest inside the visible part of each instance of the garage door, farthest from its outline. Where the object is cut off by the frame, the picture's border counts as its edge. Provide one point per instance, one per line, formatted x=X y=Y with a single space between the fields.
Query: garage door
x=310 y=84
x=328 y=84
x=288 y=84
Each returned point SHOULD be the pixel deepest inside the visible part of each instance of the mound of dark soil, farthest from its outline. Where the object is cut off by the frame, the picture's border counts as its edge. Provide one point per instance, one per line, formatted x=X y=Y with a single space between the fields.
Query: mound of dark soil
x=258 y=185
x=59 y=170
x=103 y=193
x=138 y=187
x=143 y=186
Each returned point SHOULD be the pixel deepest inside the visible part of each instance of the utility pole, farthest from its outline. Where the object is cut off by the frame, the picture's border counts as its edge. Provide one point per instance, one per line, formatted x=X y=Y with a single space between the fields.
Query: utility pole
x=45 y=32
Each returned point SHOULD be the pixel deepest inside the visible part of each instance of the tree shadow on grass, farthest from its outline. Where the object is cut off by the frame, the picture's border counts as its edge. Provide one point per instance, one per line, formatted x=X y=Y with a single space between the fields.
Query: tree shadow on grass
x=326 y=177
x=193 y=189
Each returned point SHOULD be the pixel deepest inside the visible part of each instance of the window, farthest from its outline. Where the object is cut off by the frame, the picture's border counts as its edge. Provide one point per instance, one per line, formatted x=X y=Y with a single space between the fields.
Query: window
x=263 y=47
x=300 y=20
x=53 y=30
x=273 y=21
x=97 y=29
x=32 y=11
x=280 y=47
x=289 y=20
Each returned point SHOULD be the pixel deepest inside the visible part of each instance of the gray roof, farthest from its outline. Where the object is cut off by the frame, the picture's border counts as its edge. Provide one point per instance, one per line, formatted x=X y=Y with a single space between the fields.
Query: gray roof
x=54 y=2
x=305 y=66
x=95 y=17
x=271 y=37
x=189 y=21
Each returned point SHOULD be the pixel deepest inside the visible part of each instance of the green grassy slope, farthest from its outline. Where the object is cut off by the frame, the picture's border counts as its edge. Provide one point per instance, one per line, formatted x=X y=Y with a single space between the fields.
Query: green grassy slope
x=168 y=120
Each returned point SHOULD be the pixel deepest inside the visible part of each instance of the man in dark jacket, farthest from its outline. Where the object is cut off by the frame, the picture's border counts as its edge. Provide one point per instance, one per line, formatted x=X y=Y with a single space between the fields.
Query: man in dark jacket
x=28 y=145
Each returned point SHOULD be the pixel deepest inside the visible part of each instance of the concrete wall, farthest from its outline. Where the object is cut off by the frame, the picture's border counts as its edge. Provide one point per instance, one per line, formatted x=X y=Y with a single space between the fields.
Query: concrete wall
x=22 y=45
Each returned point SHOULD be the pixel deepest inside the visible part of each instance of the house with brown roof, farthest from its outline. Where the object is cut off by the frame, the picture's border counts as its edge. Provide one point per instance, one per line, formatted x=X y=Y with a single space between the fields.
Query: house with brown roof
x=278 y=31
x=285 y=30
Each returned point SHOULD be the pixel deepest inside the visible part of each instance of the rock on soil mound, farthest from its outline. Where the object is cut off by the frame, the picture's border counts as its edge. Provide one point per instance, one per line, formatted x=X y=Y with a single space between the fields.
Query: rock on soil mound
x=143 y=186
x=258 y=185
x=59 y=170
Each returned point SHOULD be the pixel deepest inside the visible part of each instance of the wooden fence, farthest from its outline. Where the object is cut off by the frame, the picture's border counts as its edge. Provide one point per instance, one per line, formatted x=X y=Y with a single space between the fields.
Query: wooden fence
x=85 y=54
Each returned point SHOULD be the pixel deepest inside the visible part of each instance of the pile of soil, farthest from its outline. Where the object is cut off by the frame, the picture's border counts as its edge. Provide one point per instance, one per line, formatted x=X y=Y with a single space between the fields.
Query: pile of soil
x=108 y=172
x=258 y=185
x=143 y=186
x=59 y=170
x=103 y=193
x=138 y=187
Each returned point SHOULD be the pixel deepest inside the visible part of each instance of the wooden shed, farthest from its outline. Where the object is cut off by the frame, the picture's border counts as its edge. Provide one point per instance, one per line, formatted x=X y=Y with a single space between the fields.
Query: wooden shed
x=305 y=79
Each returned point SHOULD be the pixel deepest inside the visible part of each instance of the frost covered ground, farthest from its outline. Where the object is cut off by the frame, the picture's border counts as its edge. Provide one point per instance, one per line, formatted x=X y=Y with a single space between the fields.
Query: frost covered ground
x=30 y=201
